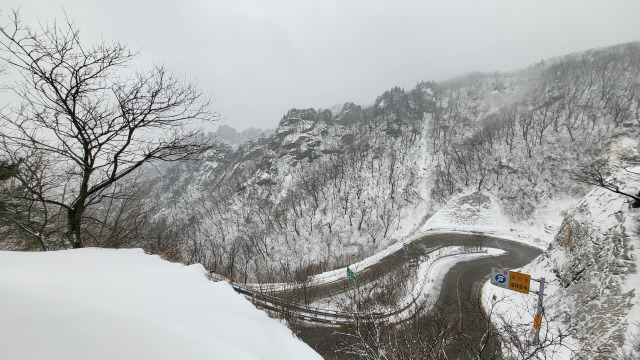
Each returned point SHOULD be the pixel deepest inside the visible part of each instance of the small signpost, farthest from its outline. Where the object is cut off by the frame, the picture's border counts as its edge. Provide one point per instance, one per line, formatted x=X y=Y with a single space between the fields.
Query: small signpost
x=521 y=283
x=351 y=275
x=537 y=322
x=405 y=247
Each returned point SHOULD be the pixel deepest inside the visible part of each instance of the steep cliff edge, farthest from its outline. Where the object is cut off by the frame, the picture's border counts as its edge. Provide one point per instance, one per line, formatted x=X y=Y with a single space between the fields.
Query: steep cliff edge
x=592 y=272
x=595 y=259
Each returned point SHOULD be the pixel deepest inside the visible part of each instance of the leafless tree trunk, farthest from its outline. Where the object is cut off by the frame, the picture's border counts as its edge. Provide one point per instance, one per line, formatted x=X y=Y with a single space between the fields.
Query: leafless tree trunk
x=597 y=175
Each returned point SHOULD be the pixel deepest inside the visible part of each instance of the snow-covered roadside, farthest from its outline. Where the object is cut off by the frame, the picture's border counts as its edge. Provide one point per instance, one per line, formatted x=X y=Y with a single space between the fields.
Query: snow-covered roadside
x=123 y=304
x=482 y=213
x=328 y=276
x=518 y=309
x=431 y=275
x=339 y=274
x=591 y=270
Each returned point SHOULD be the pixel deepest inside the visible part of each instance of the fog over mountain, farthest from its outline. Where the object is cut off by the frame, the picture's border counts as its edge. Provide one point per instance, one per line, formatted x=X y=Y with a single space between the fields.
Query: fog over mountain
x=231 y=136
x=327 y=186
x=258 y=59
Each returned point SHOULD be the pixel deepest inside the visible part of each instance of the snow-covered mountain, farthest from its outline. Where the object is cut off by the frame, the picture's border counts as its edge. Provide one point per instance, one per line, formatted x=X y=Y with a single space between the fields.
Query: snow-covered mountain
x=328 y=187
x=321 y=189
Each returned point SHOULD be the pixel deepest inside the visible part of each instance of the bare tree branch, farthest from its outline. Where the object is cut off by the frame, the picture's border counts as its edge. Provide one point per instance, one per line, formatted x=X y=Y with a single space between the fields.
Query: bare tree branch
x=98 y=125
x=597 y=174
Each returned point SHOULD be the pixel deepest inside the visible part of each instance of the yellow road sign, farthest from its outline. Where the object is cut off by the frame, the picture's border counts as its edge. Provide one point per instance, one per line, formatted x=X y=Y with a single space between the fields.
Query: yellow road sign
x=519 y=282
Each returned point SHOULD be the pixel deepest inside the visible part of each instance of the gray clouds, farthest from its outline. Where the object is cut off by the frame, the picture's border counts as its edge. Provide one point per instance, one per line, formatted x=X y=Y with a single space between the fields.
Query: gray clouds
x=260 y=58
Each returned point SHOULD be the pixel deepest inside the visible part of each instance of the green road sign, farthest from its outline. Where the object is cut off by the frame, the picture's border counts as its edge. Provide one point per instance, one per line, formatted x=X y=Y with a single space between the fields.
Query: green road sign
x=351 y=275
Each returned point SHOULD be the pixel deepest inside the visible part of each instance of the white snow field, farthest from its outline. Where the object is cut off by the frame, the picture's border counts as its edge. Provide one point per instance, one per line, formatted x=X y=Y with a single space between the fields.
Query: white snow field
x=124 y=304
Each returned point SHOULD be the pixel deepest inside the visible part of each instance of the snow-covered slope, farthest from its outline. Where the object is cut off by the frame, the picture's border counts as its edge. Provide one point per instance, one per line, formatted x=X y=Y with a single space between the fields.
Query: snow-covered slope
x=595 y=261
x=124 y=304
x=327 y=187
x=592 y=272
x=483 y=212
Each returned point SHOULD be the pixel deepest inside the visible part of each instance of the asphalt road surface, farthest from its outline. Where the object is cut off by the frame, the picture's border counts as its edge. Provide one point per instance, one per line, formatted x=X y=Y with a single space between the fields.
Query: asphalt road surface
x=462 y=284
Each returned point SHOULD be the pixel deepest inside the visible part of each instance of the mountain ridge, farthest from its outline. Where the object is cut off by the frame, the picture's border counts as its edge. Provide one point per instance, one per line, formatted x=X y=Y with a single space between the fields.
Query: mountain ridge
x=516 y=135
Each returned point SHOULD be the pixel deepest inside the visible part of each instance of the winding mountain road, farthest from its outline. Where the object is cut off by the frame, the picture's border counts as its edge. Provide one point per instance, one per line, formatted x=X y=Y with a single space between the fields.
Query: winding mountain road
x=466 y=278
x=462 y=284
x=460 y=291
x=516 y=255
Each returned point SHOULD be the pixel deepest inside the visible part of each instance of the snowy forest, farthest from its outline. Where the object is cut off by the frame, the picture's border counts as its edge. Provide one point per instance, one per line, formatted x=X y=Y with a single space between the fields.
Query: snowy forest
x=330 y=187
x=327 y=187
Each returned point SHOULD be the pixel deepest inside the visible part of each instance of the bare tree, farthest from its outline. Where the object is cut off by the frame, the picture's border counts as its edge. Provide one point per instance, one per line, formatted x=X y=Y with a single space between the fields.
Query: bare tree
x=597 y=174
x=438 y=331
x=123 y=219
x=93 y=123
x=27 y=214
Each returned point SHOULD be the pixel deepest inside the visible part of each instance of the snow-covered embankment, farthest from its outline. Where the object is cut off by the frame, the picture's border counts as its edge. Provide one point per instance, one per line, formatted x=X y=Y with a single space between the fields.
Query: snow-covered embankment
x=124 y=304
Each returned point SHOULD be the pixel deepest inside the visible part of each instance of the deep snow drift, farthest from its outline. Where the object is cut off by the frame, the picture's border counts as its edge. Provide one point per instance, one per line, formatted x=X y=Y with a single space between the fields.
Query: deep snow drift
x=124 y=304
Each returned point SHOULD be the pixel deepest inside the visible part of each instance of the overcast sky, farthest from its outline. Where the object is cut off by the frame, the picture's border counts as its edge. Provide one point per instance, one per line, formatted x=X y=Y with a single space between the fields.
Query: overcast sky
x=260 y=58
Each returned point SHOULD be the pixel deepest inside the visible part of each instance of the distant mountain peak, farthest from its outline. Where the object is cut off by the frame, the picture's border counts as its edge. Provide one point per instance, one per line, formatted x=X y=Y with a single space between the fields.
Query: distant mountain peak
x=234 y=138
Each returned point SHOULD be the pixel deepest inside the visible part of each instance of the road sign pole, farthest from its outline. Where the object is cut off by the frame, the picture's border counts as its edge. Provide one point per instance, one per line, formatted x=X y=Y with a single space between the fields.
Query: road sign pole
x=521 y=283
x=355 y=286
x=352 y=276
x=537 y=322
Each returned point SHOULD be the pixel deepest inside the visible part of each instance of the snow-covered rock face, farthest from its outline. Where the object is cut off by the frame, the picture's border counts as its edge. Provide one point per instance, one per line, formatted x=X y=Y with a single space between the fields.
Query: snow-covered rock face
x=350 y=114
x=595 y=260
x=296 y=134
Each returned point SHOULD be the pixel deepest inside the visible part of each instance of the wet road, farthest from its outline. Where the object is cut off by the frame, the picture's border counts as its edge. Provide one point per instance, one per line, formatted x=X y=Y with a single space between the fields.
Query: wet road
x=516 y=255
x=461 y=287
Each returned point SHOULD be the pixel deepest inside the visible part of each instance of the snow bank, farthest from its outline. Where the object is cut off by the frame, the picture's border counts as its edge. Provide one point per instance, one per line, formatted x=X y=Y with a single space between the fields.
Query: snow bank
x=431 y=275
x=124 y=304
x=483 y=213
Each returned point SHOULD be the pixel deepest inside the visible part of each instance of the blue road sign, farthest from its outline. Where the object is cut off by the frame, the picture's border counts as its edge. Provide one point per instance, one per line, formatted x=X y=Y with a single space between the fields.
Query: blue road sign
x=500 y=277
